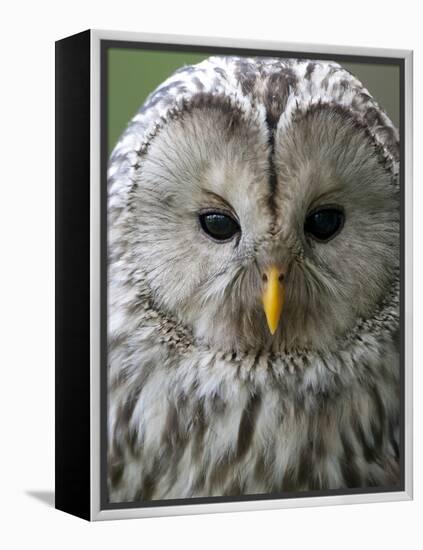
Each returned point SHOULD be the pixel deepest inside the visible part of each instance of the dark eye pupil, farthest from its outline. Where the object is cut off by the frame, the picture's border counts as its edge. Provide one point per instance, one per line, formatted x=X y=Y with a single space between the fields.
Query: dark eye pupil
x=324 y=223
x=219 y=226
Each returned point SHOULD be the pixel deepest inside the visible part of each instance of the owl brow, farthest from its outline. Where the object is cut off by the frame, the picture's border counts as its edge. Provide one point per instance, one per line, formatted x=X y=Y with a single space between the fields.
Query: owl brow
x=327 y=199
x=219 y=199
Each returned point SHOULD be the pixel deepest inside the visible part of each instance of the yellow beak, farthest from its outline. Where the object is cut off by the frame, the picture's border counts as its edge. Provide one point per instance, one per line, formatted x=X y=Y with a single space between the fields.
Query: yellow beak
x=273 y=296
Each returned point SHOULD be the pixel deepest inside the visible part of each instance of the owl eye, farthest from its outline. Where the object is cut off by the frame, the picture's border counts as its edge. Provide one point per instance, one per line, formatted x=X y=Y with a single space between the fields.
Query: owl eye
x=220 y=227
x=323 y=224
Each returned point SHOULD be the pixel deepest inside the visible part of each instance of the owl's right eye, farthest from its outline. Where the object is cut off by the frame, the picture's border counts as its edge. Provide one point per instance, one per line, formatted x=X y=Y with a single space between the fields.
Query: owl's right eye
x=219 y=226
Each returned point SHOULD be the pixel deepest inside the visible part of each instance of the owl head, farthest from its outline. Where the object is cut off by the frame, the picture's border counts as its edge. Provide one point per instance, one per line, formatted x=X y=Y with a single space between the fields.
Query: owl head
x=257 y=202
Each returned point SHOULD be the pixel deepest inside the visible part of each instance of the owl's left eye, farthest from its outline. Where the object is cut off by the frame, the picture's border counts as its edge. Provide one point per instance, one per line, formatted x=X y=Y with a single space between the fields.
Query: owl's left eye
x=219 y=226
x=324 y=223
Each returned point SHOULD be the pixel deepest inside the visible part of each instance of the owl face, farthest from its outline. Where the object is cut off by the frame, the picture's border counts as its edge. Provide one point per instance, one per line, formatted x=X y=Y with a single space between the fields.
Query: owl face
x=224 y=210
x=262 y=227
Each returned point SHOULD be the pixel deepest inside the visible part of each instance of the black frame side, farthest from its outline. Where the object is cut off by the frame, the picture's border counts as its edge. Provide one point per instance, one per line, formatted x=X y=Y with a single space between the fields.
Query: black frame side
x=72 y=384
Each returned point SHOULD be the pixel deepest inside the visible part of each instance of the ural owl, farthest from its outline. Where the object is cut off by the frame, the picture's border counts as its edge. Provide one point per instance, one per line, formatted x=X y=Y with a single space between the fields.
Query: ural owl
x=253 y=285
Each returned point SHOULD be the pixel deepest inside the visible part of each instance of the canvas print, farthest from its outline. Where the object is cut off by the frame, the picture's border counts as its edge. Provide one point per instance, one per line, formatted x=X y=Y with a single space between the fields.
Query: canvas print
x=253 y=268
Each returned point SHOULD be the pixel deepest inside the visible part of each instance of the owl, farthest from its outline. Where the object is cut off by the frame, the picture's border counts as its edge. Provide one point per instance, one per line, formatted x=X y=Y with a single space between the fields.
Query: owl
x=253 y=285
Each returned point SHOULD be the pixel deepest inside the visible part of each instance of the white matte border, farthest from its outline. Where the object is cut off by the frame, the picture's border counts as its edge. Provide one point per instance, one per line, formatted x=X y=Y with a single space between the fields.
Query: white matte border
x=95 y=175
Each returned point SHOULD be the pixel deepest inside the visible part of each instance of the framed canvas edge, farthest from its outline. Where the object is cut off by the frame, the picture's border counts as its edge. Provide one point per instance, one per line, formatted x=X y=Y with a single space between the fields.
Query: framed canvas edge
x=95 y=262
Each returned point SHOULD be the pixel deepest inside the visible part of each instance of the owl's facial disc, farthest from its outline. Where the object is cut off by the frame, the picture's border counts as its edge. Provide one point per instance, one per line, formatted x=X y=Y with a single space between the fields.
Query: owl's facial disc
x=214 y=235
x=273 y=296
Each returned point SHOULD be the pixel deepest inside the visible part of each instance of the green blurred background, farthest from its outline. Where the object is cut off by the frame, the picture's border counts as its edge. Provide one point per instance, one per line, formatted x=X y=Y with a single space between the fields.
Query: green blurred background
x=134 y=73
